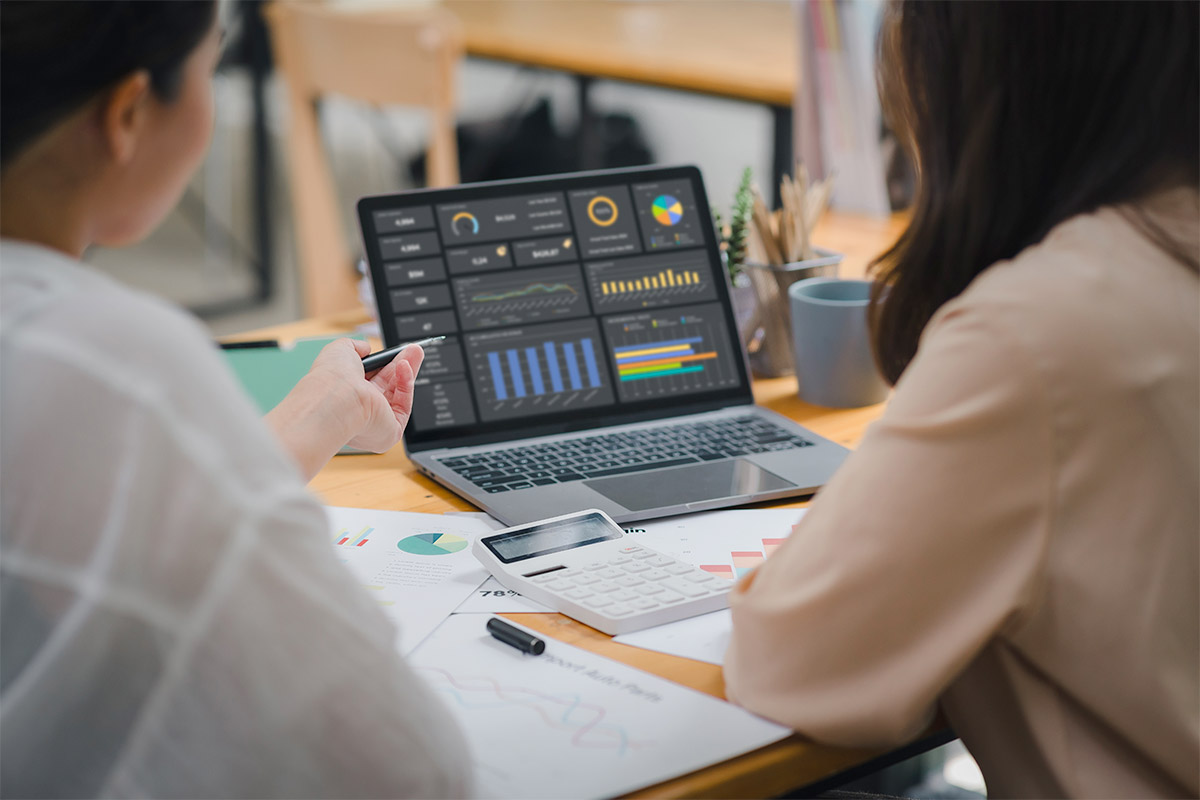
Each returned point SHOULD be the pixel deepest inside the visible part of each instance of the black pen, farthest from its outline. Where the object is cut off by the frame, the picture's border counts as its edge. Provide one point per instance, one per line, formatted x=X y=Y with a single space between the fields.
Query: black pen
x=510 y=634
x=381 y=359
x=251 y=345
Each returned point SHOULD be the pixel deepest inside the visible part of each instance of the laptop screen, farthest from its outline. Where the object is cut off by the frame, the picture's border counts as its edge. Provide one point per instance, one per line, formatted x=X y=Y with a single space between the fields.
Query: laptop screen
x=568 y=302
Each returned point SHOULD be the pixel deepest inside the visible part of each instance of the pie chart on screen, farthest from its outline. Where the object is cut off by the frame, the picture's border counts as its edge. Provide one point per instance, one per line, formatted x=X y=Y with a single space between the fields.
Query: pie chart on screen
x=666 y=209
x=432 y=544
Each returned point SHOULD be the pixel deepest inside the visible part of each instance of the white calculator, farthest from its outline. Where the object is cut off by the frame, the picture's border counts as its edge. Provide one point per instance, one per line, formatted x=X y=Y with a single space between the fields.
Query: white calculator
x=583 y=565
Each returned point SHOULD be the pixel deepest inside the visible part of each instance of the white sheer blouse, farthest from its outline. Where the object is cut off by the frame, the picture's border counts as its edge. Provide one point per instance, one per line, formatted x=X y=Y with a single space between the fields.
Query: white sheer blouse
x=173 y=621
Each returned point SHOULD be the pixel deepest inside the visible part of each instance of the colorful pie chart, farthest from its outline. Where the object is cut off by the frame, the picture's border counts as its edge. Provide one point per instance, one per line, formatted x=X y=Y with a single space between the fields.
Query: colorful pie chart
x=432 y=544
x=666 y=209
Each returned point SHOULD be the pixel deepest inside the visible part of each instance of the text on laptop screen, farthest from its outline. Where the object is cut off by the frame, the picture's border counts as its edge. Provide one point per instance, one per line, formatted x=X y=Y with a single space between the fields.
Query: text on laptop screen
x=564 y=300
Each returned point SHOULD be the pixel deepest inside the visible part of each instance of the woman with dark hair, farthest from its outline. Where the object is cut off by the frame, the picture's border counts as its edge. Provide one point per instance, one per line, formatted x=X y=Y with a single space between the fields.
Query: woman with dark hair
x=1016 y=539
x=172 y=622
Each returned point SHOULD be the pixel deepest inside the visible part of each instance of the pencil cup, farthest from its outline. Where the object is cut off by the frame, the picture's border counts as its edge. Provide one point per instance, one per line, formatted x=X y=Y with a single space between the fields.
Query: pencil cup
x=834 y=365
x=768 y=335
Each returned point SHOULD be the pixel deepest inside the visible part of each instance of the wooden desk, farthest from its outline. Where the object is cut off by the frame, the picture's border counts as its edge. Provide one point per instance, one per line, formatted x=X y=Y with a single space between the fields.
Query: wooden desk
x=390 y=481
x=743 y=50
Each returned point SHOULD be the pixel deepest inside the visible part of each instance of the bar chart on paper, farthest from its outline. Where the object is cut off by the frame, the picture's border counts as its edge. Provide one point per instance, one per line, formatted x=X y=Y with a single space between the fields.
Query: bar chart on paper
x=651 y=282
x=537 y=370
x=670 y=352
x=728 y=544
x=742 y=561
x=345 y=538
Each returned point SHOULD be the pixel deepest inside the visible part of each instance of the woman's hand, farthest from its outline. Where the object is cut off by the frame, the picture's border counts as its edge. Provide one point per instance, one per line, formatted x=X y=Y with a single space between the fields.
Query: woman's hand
x=335 y=404
x=385 y=399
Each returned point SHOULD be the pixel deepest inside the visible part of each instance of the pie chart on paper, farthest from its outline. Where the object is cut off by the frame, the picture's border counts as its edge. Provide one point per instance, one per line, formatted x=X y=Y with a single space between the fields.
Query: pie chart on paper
x=432 y=544
x=666 y=209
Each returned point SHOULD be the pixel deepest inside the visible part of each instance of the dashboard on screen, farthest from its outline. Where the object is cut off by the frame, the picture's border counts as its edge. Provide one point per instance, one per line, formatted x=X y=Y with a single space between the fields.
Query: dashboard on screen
x=584 y=297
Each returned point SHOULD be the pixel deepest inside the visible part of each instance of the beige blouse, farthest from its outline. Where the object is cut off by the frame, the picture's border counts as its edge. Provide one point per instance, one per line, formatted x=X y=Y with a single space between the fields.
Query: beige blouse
x=1017 y=537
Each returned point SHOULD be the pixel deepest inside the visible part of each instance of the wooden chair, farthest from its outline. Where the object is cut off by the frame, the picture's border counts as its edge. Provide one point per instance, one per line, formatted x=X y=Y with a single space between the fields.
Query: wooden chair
x=388 y=57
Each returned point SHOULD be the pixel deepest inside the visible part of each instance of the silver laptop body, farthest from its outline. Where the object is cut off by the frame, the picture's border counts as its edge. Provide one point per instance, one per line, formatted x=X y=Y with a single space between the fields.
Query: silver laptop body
x=591 y=358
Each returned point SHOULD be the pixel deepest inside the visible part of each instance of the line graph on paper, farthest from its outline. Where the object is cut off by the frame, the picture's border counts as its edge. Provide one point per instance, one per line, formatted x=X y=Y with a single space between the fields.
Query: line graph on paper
x=570 y=723
x=567 y=715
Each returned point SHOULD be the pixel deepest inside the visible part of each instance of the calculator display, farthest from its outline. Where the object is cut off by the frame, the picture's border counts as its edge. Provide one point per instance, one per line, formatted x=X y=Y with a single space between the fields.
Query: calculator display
x=551 y=537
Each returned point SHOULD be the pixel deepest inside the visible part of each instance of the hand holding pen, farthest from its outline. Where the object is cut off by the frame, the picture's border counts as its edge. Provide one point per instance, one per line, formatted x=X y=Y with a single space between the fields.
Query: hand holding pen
x=333 y=406
x=381 y=359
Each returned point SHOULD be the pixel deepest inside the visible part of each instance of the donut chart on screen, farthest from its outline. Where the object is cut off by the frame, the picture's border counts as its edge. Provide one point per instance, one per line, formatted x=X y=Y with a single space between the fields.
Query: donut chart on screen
x=666 y=209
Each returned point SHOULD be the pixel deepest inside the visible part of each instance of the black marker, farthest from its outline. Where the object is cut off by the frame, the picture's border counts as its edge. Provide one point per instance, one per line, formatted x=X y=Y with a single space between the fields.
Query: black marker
x=381 y=359
x=509 y=634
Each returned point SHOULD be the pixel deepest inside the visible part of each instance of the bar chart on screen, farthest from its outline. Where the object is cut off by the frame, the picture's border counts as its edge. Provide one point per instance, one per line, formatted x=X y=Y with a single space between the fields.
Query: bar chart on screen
x=671 y=351
x=651 y=282
x=536 y=370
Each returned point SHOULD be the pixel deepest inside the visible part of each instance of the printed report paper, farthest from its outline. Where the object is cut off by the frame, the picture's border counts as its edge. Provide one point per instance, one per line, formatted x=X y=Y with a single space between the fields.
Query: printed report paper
x=418 y=567
x=571 y=724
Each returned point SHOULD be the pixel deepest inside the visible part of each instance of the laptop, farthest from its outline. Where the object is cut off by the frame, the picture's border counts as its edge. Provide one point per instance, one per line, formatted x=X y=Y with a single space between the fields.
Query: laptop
x=592 y=358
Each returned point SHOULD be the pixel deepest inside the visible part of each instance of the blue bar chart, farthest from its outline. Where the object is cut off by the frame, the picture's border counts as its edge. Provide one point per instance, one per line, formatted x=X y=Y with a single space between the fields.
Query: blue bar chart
x=539 y=369
x=510 y=382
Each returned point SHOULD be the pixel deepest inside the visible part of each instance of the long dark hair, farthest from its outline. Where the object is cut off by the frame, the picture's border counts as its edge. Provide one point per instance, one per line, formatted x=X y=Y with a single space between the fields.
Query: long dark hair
x=55 y=56
x=1020 y=115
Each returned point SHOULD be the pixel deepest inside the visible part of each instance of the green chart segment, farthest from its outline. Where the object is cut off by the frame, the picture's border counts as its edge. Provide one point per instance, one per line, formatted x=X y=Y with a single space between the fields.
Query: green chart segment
x=432 y=544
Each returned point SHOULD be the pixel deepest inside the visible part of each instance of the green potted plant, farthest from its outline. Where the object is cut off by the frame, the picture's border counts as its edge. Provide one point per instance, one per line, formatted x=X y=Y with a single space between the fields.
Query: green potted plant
x=734 y=239
x=767 y=251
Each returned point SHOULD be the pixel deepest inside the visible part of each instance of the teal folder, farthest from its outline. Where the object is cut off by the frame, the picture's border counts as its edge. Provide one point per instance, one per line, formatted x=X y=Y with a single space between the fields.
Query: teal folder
x=269 y=373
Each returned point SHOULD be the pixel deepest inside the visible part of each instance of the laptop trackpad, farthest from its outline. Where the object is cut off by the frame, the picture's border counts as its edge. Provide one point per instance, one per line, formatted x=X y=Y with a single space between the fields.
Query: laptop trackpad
x=639 y=491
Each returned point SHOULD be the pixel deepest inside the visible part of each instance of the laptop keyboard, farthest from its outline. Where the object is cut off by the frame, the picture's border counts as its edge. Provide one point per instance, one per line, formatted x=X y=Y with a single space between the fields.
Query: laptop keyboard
x=621 y=453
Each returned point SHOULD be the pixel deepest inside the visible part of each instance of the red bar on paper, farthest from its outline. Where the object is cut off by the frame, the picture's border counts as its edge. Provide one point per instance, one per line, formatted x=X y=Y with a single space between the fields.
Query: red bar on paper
x=771 y=545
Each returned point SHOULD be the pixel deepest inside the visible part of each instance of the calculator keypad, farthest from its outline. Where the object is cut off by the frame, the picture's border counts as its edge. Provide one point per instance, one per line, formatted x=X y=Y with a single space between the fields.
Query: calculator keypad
x=635 y=580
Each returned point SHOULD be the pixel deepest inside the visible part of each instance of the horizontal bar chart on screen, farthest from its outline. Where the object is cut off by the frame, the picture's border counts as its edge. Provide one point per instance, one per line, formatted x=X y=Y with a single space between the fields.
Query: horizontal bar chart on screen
x=636 y=362
x=670 y=351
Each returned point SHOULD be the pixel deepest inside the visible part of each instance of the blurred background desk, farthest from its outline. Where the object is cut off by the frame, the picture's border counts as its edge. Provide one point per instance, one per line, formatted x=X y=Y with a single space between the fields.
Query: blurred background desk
x=693 y=47
x=709 y=82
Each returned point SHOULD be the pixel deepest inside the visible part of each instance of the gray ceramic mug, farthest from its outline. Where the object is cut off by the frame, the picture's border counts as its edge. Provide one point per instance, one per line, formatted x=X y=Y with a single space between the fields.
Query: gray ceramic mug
x=834 y=366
